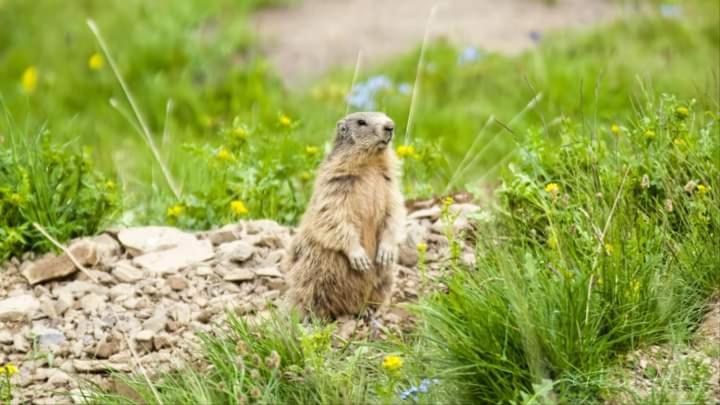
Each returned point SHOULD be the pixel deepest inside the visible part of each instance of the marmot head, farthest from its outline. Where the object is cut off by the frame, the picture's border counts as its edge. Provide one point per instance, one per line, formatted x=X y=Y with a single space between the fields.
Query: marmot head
x=367 y=131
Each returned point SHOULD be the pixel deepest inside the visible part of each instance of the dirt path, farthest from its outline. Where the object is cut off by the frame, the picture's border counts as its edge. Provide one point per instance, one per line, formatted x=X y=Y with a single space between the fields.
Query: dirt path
x=308 y=39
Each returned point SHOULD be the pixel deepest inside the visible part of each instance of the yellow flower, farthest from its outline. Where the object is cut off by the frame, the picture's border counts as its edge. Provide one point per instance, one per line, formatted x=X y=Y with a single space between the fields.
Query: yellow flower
x=552 y=242
x=404 y=151
x=29 y=79
x=312 y=150
x=110 y=185
x=305 y=175
x=238 y=207
x=422 y=247
x=649 y=134
x=634 y=286
x=175 y=211
x=608 y=249
x=682 y=112
x=679 y=142
x=9 y=369
x=96 y=61
x=702 y=189
x=284 y=120
x=240 y=133
x=392 y=363
x=447 y=202
x=552 y=188
x=615 y=129
x=224 y=155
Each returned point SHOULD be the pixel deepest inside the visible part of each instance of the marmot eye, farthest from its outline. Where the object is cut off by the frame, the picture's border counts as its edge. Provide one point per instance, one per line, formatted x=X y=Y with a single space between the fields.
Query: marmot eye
x=362 y=123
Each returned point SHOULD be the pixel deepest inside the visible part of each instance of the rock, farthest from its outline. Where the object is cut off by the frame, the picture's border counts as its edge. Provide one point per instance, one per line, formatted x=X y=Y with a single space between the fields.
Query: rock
x=144 y=335
x=204 y=271
x=20 y=343
x=157 y=322
x=139 y=241
x=181 y=313
x=18 y=307
x=262 y=225
x=271 y=271
x=177 y=282
x=126 y=272
x=92 y=302
x=432 y=213
x=172 y=260
x=161 y=341
x=96 y=366
x=63 y=302
x=77 y=289
x=237 y=251
x=106 y=248
x=47 y=307
x=107 y=348
x=52 y=267
x=6 y=337
x=58 y=378
x=407 y=255
x=227 y=233
x=120 y=292
x=239 y=275
x=48 y=337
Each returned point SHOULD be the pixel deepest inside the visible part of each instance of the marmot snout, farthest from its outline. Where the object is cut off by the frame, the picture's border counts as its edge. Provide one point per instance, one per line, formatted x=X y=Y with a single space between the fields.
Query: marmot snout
x=341 y=259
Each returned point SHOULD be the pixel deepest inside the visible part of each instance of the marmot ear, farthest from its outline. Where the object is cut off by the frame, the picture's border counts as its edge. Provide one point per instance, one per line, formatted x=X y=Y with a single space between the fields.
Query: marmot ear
x=342 y=129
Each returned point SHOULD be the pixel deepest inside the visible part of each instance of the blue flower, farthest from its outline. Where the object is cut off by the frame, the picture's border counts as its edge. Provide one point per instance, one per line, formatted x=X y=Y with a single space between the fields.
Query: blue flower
x=413 y=391
x=535 y=36
x=671 y=10
x=405 y=88
x=469 y=55
x=363 y=94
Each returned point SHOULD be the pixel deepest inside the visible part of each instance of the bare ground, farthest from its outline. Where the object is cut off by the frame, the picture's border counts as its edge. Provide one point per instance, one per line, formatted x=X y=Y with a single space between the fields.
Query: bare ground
x=306 y=40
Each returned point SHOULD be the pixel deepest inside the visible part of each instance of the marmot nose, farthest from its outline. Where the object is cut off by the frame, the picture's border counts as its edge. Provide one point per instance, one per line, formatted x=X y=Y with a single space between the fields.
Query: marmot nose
x=389 y=128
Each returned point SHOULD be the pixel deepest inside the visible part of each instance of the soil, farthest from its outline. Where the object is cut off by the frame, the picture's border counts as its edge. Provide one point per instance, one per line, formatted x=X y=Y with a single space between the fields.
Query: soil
x=307 y=39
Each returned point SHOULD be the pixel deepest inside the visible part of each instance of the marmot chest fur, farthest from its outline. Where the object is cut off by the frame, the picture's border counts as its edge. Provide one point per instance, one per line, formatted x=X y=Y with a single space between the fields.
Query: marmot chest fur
x=341 y=259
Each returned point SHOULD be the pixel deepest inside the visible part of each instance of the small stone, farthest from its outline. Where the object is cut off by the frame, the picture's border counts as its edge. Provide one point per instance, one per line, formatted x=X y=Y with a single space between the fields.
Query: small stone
x=408 y=255
x=77 y=289
x=237 y=251
x=48 y=337
x=432 y=213
x=227 y=233
x=6 y=337
x=204 y=271
x=157 y=322
x=274 y=257
x=63 y=303
x=106 y=248
x=239 y=275
x=120 y=292
x=107 y=348
x=52 y=267
x=58 y=378
x=144 y=335
x=95 y=366
x=18 y=307
x=92 y=302
x=139 y=241
x=126 y=272
x=20 y=343
x=177 y=282
x=172 y=260
x=271 y=271
x=161 y=341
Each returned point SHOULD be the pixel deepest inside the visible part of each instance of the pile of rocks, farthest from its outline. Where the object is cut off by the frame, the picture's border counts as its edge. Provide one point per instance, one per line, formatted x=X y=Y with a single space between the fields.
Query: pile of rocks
x=144 y=294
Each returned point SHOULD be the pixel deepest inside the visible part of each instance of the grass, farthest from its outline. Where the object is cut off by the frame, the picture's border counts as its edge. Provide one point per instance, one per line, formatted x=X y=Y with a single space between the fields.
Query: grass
x=604 y=231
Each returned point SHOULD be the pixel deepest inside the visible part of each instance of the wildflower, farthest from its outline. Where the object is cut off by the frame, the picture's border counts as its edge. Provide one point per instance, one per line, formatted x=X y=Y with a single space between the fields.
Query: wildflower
x=552 y=242
x=405 y=88
x=423 y=388
x=702 y=189
x=238 y=207
x=224 y=155
x=679 y=142
x=615 y=129
x=362 y=95
x=448 y=201
x=552 y=188
x=29 y=79
x=669 y=205
x=634 y=286
x=469 y=55
x=649 y=134
x=240 y=133
x=96 y=61
x=284 y=120
x=671 y=10
x=682 y=112
x=175 y=211
x=305 y=175
x=312 y=150
x=608 y=249
x=535 y=36
x=404 y=151
x=422 y=247
x=110 y=185
x=9 y=369
x=392 y=363
x=255 y=392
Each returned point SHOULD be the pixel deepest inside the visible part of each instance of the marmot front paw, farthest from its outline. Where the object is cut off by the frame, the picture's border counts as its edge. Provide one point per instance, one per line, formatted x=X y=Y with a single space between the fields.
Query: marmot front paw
x=386 y=255
x=359 y=260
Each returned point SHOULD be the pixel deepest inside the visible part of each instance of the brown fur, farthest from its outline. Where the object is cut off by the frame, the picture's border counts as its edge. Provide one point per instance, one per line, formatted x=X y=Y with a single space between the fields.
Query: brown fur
x=356 y=208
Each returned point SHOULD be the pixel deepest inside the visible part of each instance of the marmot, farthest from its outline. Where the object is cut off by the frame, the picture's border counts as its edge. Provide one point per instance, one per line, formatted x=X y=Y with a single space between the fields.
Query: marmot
x=341 y=259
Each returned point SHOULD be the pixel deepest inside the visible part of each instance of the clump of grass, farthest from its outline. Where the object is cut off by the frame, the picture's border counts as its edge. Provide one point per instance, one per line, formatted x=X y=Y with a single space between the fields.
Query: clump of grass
x=604 y=243
x=52 y=185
